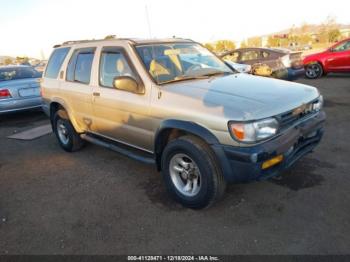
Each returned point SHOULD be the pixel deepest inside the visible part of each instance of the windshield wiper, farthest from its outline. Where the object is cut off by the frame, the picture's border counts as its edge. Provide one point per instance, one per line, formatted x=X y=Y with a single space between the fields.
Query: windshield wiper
x=205 y=76
x=184 y=78
x=217 y=73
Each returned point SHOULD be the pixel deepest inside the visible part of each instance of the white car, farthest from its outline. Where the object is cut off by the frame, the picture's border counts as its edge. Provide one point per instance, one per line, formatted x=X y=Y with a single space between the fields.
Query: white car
x=242 y=68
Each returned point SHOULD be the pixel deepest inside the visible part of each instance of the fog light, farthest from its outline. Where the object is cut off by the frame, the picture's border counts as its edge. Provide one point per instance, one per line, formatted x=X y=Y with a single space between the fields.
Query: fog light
x=271 y=162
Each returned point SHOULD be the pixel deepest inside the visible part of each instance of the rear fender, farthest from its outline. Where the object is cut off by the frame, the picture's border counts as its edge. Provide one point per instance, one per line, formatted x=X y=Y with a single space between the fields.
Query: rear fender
x=66 y=113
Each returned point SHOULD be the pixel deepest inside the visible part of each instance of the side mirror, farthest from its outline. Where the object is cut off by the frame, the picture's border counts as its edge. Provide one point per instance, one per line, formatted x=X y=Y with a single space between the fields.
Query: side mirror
x=128 y=84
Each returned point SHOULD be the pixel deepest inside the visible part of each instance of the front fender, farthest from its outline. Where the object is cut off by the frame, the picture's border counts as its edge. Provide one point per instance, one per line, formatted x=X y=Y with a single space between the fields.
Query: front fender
x=188 y=127
x=194 y=129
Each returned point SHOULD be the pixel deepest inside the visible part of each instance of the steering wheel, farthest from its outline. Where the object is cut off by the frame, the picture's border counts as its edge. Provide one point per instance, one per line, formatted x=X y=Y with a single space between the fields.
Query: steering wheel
x=193 y=68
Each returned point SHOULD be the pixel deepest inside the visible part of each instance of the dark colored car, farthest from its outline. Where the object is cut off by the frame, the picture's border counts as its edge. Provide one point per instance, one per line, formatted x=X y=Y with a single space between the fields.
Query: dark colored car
x=334 y=60
x=274 y=62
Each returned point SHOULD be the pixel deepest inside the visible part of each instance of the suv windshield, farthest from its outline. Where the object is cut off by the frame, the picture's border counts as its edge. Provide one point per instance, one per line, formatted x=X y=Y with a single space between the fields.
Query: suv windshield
x=180 y=61
x=15 y=73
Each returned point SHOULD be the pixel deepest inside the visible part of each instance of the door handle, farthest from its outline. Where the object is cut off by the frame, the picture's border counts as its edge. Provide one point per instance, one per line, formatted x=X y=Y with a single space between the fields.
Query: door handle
x=96 y=94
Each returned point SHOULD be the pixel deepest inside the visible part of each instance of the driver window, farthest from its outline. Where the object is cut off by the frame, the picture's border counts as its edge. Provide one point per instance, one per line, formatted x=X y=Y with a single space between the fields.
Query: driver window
x=342 y=47
x=113 y=64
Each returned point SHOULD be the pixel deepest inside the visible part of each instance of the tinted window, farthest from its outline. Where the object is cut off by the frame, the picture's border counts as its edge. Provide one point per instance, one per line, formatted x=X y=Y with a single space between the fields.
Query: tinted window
x=83 y=68
x=343 y=46
x=265 y=54
x=15 y=73
x=56 y=62
x=250 y=55
x=232 y=57
x=79 y=66
x=113 y=64
x=71 y=67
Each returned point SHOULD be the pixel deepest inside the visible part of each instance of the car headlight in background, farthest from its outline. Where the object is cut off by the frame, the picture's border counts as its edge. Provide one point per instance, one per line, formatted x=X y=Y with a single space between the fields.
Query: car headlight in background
x=318 y=105
x=247 y=69
x=254 y=131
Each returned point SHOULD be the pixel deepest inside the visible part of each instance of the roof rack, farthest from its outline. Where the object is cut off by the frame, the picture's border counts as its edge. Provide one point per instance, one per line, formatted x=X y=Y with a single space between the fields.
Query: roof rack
x=73 y=42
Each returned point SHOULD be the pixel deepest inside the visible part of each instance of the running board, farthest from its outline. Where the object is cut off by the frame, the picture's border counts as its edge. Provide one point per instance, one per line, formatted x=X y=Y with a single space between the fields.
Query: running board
x=119 y=149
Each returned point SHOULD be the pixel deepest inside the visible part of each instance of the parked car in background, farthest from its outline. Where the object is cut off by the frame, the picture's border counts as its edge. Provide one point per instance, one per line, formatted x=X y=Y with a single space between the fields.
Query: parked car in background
x=273 y=62
x=335 y=59
x=172 y=103
x=19 y=88
x=41 y=66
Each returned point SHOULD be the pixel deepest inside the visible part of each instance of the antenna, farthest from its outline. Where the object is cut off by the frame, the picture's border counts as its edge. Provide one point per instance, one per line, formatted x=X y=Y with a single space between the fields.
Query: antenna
x=148 y=22
x=150 y=36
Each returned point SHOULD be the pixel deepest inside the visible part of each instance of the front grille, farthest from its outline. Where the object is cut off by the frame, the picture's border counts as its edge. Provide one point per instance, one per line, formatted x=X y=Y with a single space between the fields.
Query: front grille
x=289 y=118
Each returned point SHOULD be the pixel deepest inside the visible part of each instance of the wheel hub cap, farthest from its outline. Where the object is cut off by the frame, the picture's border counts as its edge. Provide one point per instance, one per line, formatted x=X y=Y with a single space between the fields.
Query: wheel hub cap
x=185 y=175
x=62 y=132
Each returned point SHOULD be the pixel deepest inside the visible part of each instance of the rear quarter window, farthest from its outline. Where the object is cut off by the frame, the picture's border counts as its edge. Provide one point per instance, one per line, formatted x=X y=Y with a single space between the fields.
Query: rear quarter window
x=55 y=62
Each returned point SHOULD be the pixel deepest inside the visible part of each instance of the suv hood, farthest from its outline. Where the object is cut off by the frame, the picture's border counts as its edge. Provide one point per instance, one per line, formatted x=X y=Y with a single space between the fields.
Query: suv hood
x=241 y=96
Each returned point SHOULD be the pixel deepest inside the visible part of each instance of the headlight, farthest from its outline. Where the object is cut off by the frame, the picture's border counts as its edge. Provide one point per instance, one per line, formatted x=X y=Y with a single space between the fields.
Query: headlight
x=248 y=69
x=254 y=131
x=318 y=105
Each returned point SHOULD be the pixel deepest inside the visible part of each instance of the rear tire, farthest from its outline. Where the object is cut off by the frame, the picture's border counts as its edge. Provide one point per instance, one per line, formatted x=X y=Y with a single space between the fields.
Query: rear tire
x=313 y=71
x=194 y=188
x=65 y=133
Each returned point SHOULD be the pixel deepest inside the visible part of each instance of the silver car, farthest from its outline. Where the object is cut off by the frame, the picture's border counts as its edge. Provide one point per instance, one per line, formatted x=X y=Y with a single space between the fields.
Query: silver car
x=19 y=88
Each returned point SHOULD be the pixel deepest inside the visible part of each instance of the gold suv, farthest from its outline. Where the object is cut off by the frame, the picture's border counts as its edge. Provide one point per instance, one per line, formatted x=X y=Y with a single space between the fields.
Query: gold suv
x=174 y=104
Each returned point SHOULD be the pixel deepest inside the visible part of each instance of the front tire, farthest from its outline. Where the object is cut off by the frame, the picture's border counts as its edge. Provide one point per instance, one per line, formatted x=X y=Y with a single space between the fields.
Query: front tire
x=65 y=133
x=313 y=71
x=191 y=173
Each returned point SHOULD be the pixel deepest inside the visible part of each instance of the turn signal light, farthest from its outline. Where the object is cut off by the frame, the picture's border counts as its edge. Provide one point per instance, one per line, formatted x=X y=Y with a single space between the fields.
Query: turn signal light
x=272 y=162
x=4 y=93
x=238 y=131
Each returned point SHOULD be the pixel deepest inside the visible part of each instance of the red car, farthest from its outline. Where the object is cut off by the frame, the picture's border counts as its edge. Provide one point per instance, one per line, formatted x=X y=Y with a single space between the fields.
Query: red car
x=334 y=59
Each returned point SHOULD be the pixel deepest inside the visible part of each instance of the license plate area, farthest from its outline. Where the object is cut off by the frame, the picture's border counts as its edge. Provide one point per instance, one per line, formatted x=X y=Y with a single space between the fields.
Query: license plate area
x=28 y=92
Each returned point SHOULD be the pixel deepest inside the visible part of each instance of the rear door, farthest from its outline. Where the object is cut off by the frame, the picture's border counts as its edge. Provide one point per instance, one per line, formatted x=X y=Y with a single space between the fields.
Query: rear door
x=339 y=60
x=77 y=89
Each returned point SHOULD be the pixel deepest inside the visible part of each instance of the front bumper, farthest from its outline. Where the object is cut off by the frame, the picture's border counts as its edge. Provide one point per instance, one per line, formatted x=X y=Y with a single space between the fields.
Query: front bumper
x=14 y=105
x=242 y=164
x=295 y=73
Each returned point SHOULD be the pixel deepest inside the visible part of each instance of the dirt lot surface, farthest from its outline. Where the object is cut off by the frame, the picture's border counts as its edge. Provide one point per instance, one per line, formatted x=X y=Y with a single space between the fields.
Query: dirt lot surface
x=98 y=202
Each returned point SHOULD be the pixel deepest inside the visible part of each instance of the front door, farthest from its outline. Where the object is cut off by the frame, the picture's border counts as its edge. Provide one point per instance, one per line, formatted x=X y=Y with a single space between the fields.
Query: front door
x=339 y=59
x=121 y=115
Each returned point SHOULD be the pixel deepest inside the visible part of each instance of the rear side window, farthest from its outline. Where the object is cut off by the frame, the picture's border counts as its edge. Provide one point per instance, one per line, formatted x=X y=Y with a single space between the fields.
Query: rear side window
x=265 y=54
x=55 y=62
x=80 y=64
x=234 y=57
x=250 y=55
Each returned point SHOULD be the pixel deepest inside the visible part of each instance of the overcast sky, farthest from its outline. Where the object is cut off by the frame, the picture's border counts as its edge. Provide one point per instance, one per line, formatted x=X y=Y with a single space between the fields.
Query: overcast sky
x=32 y=27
